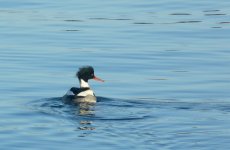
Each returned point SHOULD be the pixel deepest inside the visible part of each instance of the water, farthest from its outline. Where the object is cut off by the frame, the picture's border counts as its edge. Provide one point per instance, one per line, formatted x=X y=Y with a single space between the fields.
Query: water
x=166 y=66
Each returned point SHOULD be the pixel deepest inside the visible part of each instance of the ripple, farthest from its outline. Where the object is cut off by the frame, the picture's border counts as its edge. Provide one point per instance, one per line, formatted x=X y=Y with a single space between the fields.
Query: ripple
x=192 y=21
x=224 y=22
x=180 y=14
x=72 y=30
x=180 y=71
x=172 y=50
x=142 y=23
x=215 y=14
x=157 y=79
x=122 y=119
x=119 y=19
x=52 y=106
x=110 y=109
x=99 y=18
x=73 y=20
x=216 y=27
x=214 y=10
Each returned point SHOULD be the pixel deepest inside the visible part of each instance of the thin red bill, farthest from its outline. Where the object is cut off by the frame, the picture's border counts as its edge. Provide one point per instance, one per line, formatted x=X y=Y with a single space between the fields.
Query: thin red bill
x=98 y=79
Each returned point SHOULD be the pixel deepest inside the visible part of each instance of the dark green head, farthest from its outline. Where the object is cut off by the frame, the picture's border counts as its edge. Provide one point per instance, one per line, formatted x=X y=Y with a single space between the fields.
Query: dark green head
x=85 y=73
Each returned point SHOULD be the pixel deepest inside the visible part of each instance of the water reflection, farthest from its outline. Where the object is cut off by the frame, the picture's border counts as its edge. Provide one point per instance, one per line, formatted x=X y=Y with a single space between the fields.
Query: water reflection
x=87 y=111
x=81 y=114
x=86 y=125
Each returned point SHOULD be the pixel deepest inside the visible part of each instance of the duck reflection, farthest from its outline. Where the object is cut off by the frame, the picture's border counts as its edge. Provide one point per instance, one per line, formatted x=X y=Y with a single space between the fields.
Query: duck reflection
x=87 y=111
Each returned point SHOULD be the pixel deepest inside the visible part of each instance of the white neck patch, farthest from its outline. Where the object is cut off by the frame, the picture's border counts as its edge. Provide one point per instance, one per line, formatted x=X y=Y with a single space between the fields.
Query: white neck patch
x=84 y=84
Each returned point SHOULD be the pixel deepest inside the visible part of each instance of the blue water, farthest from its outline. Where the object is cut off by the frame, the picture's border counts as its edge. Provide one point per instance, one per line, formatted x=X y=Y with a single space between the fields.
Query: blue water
x=166 y=65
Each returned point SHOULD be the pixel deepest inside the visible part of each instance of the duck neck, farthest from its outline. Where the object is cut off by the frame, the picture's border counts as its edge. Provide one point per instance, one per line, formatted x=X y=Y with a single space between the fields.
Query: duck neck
x=84 y=84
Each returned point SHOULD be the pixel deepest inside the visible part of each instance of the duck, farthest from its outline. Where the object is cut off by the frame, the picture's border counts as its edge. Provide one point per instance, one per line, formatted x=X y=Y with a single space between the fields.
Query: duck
x=82 y=94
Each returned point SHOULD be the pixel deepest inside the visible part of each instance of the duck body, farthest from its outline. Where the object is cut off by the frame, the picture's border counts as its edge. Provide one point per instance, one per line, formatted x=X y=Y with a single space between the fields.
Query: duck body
x=80 y=95
x=84 y=94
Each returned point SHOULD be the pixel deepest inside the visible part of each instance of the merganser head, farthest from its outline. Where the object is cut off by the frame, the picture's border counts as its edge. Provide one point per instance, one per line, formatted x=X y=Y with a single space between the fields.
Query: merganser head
x=86 y=73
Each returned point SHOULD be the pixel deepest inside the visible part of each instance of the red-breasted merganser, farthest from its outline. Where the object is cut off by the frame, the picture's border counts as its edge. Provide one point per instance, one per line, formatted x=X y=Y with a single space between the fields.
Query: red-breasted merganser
x=84 y=93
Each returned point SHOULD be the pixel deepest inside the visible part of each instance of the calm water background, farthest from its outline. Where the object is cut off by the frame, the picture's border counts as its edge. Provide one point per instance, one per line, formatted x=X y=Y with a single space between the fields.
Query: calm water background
x=166 y=65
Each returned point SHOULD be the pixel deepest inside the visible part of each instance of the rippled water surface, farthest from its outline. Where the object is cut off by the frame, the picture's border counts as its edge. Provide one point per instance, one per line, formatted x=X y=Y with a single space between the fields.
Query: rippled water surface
x=166 y=65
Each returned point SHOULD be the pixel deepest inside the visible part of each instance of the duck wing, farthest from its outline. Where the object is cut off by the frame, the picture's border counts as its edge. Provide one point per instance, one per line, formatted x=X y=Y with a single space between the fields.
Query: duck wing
x=76 y=90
